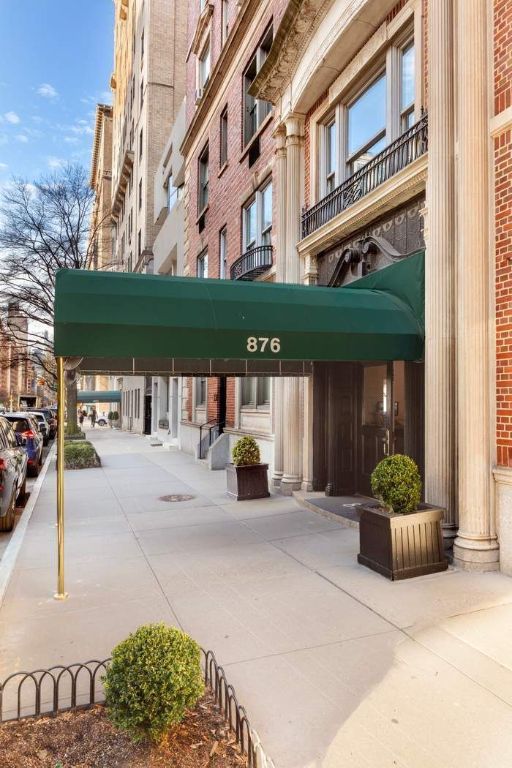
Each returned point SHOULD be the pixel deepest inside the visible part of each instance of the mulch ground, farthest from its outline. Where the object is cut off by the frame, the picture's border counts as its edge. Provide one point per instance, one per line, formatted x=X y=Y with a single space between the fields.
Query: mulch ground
x=87 y=739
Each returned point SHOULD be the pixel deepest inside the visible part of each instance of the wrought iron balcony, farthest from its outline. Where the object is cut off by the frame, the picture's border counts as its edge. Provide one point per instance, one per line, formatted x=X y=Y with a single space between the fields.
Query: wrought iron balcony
x=400 y=153
x=252 y=263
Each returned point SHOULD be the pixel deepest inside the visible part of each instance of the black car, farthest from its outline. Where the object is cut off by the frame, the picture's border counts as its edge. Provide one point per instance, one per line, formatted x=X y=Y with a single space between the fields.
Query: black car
x=13 y=473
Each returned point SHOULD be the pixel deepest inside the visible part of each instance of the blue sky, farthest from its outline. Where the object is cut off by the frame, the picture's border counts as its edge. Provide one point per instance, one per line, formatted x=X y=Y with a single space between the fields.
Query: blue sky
x=55 y=64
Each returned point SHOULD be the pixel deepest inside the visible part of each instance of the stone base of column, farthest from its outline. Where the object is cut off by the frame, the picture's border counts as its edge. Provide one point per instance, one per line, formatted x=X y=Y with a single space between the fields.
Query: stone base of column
x=503 y=479
x=275 y=480
x=306 y=485
x=290 y=484
x=476 y=554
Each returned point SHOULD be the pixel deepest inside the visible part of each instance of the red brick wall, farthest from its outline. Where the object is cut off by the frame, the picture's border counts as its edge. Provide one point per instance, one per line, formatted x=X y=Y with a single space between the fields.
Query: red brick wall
x=502 y=55
x=503 y=231
x=503 y=244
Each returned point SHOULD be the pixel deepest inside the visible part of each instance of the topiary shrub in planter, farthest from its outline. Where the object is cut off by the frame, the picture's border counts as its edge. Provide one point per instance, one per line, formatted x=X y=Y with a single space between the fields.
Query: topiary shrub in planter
x=154 y=677
x=80 y=454
x=247 y=477
x=398 y=536
x=113 y=418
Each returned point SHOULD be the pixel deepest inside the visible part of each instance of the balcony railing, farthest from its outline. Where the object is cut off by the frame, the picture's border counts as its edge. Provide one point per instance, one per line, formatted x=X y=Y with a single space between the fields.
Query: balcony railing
x=252 y=263
x=400 y=153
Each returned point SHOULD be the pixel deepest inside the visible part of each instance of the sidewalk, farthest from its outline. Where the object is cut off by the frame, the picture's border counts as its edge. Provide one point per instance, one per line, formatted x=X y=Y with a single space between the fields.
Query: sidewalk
x=337 y=666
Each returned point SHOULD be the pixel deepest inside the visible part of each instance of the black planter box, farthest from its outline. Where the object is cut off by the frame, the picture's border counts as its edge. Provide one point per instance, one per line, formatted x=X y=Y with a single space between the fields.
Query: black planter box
x=402 y=546
x=248 y=481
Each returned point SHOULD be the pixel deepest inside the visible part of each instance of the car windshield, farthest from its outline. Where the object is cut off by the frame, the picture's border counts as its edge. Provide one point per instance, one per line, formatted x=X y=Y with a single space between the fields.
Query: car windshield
x=38 y=416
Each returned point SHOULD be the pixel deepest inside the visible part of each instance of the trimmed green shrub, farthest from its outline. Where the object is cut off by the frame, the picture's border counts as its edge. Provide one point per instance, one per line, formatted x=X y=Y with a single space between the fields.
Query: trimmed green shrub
x=113 y=415
x=396 y=483
x=154 y=677
x=246 y=451
x=80 y=454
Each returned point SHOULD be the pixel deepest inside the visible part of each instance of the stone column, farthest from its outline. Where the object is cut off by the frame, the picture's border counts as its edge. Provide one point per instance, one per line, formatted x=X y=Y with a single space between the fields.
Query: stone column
x=476 y=546
x=440 y=458
x=292 y=433
x=280 y=260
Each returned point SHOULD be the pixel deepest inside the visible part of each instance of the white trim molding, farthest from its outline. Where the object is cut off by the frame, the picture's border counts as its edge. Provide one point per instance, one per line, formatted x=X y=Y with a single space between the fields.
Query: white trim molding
x=501 y=123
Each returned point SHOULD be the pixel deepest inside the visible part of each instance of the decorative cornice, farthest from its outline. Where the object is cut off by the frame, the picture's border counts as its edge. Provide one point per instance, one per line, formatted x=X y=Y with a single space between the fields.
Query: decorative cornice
x=102 y=111
x=294 y=32
x=122 y=183
x=202 y=26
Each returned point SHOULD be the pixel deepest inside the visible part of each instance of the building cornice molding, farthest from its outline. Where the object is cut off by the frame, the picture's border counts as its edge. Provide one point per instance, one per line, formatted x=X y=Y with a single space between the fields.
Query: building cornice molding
x=230 y=50
x=202 y=26
x=292 y=36
x=397 y=190
x=124 y=176
x=102 y=111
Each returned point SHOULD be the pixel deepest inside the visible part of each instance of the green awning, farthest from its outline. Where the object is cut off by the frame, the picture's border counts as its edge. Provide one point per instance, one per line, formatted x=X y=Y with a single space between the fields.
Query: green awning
x=131 y=323
x=98 y=396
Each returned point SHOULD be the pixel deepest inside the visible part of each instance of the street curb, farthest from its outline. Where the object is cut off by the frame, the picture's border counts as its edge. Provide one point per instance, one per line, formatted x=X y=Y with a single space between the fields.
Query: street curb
x=12 y=551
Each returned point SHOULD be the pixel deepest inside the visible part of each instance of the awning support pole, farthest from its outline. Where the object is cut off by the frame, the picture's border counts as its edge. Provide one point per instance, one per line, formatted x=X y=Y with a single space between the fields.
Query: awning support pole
x=61 y=402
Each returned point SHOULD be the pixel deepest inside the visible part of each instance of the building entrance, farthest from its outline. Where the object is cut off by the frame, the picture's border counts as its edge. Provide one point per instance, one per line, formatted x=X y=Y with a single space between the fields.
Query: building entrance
x=364 y=412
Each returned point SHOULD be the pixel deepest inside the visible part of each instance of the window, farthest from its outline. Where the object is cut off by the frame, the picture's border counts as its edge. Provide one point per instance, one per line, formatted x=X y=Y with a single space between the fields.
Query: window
x=256 y=392
x=202 y=264
x=141 y=142
x=223 y=137
x=202 y=200
x=330 y=156
x=142 y=48
x=407 y=83
x=223 y=253
x=140 y=194
x=372 y=116
x=224 y=23
x=200 y=391
x=130 y=225
x=256 y=110
x=203 y=68
x=141 y=93
x=202 y=5
x=257 y=219
x=172 y=193
x=366 y=124
x=139 y=244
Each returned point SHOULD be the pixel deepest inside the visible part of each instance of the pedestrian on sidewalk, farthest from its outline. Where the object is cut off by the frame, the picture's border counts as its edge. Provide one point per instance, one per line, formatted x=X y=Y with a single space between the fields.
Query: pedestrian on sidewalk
x=81 y=417
x=93 y=417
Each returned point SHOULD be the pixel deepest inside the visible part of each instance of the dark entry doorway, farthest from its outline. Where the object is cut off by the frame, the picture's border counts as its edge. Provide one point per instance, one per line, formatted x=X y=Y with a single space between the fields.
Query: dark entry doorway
x=364 y=412
x=147 y=414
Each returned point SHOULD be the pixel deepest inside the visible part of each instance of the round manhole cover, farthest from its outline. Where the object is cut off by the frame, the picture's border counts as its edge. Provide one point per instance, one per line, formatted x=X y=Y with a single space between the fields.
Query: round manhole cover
x=177 y=497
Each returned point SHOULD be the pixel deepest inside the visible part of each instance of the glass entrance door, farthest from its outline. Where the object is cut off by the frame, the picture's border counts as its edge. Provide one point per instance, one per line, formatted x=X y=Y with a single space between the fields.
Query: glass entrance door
x=382 y=417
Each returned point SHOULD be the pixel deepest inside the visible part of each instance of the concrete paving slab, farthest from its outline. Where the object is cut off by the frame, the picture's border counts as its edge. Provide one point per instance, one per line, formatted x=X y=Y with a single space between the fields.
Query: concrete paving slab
x=89 y=583
x=424 y=600
x=334 y=547
x=196 y=538
x=170 y=517
x=143 y=504
x=295 y=523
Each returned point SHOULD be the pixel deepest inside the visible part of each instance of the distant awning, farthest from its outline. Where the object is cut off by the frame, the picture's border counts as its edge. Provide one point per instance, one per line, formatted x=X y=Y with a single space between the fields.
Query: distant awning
x=134 y=324
x=98 y=396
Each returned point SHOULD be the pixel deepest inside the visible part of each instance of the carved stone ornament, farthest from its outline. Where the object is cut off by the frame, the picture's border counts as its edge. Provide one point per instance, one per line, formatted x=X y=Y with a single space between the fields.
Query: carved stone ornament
x=368 y=255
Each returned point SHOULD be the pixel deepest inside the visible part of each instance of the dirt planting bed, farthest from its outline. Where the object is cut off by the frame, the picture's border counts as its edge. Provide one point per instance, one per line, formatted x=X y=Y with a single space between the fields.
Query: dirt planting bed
x=86 y=739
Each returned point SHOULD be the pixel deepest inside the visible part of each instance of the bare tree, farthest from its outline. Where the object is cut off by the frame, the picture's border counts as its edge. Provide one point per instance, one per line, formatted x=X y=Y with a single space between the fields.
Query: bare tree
x=44 y=227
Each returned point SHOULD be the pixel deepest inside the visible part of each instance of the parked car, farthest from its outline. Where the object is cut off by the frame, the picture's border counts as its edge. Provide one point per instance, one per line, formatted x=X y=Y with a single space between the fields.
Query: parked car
x=101 y=421
x=50 y=418
x=42 y=425
x=25 y=425
x=13 y=473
